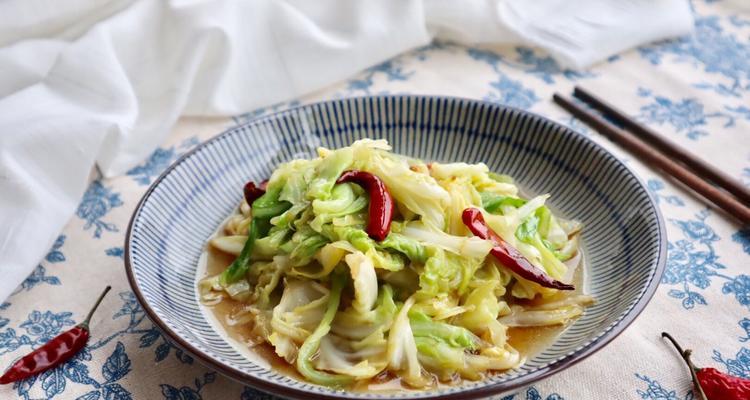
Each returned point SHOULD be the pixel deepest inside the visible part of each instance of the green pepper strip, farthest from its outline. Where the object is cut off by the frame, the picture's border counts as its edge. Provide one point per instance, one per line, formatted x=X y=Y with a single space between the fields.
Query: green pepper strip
x=312 y=343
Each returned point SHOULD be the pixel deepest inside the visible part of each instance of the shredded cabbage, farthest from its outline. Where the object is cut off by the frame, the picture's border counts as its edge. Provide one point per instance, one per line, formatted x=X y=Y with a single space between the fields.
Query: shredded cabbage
x=365 y=281
x=461 y=245
x=417 y=192
x=427 y=303
x=299 y=311
x=402 y=349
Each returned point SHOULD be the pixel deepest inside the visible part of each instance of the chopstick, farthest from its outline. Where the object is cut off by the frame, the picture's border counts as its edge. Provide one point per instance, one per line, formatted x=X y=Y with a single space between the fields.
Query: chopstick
x=651 y=155
x=701 y=167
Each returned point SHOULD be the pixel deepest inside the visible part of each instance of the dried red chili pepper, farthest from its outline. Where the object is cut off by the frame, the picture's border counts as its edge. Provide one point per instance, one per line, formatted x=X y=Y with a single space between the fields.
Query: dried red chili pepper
x=252 y=192
x=710 y=383
x=53 y=353
x=507 y=255
x=718 y=385
x=381 y=202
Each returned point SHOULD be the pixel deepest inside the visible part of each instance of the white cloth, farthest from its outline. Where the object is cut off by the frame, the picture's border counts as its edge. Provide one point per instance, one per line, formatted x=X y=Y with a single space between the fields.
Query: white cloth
x=85 y=82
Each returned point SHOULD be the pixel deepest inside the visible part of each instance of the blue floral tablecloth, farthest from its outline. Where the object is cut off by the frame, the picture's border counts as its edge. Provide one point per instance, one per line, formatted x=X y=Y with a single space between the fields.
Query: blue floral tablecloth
x=695 y=90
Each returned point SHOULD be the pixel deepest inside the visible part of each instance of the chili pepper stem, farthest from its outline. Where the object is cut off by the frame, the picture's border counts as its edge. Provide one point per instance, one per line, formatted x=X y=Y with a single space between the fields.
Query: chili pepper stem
x=685 y=354
x=85 y=323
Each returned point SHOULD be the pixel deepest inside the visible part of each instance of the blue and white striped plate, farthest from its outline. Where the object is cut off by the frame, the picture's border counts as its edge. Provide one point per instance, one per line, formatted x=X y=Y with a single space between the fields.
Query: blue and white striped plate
x=624 y=234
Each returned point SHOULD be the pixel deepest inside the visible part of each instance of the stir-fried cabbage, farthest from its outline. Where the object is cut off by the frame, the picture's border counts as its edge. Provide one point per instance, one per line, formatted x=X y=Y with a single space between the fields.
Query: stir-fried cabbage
x=482 y=316
x=299 y=311
x=358 y=343
x=402 y=348
x=365 y=281
x=552 y=313
x=461 y=245
x=418 y=192
x=427 y=303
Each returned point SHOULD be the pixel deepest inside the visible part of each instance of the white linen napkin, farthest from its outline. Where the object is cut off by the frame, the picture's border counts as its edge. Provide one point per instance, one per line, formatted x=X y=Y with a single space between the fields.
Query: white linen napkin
x=85 y=82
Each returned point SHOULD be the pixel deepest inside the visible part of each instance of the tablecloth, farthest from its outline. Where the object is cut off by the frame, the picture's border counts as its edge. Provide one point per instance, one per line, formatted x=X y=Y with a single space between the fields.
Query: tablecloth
x=695 y=90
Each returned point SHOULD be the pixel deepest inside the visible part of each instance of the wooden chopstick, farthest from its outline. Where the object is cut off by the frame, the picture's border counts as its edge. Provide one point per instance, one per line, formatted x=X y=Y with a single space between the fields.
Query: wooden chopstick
x=651 y=155
x=700 y=167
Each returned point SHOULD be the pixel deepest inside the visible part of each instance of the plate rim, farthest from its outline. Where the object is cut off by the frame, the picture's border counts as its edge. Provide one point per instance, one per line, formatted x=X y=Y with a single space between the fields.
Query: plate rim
x=477 y=392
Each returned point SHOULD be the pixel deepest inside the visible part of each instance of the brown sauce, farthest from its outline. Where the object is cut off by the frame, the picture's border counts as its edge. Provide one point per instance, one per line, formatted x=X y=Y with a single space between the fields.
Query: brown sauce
x=216 y=262
x=528 y=341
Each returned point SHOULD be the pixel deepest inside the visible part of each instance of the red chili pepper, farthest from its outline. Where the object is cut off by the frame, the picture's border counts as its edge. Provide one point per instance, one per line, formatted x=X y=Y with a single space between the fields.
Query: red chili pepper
x=381 y=202
x=710 y=383
x=718 y=385
x=53 y=353
x=252 y=192
x=507 y=255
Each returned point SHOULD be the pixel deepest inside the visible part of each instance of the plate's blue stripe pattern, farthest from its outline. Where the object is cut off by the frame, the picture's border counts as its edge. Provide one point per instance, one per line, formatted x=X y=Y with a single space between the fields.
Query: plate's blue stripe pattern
x=622 y=228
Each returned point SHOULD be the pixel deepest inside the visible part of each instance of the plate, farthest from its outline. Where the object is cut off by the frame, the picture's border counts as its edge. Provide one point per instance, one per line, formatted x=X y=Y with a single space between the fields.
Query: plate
x=624 y=239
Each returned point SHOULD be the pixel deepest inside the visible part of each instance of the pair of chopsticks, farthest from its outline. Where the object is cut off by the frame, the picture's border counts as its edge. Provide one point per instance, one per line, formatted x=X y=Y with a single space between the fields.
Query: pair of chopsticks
x=705 y=179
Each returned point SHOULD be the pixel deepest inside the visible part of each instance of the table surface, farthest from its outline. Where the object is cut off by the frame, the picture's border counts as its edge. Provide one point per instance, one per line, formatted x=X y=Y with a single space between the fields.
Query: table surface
x=694 y=90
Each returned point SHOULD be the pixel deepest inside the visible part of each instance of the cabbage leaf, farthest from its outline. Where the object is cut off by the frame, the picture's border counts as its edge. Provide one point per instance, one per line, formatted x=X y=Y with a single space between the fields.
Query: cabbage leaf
x=300 y=310
x=418 y=192
x=312 y=342
x=402 y=349
x=345 y=199
x=365 y=281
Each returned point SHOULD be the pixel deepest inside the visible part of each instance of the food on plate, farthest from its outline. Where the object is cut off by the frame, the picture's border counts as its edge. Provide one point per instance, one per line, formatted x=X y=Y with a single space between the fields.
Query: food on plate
x=362 y=266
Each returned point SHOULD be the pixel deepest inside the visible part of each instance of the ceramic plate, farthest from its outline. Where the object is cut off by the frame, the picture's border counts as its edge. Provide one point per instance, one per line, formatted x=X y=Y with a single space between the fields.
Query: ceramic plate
x=624 y=239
